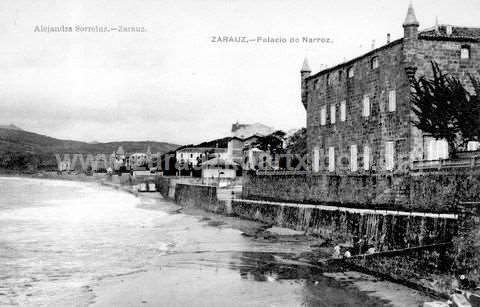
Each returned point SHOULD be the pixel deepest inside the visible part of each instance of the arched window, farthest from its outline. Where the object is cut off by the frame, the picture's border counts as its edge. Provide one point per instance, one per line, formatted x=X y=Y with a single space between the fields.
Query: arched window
x=374 y=63
x=328 y=80
x=340 y=75
x=350 y=72
x=465 y=52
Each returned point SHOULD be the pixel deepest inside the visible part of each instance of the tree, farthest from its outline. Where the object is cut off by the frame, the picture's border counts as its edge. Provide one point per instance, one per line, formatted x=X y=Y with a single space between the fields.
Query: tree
x=469 y=115
x=272 y=143
x=296 y=147
x=297 y=142
x=445 y=109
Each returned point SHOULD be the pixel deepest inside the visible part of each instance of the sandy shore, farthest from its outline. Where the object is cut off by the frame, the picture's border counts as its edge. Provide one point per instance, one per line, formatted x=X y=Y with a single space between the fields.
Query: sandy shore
x=212 y=260
x=187 y=283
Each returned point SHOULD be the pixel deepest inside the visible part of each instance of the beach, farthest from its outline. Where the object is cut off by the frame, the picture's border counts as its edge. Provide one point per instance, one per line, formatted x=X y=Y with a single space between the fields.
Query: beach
x=84 y=244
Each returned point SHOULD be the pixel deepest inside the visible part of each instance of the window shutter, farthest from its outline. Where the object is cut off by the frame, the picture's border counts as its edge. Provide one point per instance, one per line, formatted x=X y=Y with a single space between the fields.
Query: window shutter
x=323 y=116
x=366 y=157
x=366 y=106
x=343 y=111
x=389 y=155
x=353 y=158
x=333 y=115
x=392 y=101
x=316 y=159
x=331 y=159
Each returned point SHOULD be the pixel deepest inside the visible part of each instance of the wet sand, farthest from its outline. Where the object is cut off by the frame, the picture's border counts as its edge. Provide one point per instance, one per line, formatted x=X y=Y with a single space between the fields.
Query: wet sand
x=282 y=276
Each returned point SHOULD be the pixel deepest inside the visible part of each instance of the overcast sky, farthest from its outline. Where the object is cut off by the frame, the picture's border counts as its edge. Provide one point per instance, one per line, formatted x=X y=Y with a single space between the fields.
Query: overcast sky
x=172 y=83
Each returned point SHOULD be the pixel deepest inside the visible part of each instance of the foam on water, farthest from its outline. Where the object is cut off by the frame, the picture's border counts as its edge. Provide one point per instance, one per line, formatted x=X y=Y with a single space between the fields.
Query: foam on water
x=58 y=236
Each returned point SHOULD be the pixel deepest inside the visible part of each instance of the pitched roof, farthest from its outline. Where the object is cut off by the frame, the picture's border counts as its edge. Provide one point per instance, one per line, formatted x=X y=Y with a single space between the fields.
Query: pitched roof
x=458 y=33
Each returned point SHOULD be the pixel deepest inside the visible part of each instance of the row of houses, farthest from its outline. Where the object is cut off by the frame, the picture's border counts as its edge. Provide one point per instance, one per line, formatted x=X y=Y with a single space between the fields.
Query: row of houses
x=224 y=163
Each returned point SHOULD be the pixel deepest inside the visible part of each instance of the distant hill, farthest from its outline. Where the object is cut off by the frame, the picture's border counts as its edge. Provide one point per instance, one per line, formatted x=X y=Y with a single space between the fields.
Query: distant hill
x=11 y=127
x=22 y=149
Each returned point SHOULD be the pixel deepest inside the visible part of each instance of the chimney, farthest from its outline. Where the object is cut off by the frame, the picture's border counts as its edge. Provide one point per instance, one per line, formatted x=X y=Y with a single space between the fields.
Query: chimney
x=373 y=44
x=388 y=38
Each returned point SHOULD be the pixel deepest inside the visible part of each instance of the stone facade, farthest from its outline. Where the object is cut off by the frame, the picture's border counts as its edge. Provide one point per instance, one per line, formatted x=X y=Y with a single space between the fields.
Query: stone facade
x=359 y=112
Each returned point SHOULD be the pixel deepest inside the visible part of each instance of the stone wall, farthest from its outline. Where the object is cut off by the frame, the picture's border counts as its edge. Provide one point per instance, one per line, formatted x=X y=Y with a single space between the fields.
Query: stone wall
x=199 y=196
x=389 y=192
x=447 y=55
x=427 y=192
x=163 y=185
x=166 y=185
x=386 y=230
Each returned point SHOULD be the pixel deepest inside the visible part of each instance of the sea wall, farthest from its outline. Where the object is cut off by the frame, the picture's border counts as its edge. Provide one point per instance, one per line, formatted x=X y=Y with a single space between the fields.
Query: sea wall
x=166 y=185
x=385 y=229
x=373 y=191
x=199 y=196
x=437 y=192
x=163 y=185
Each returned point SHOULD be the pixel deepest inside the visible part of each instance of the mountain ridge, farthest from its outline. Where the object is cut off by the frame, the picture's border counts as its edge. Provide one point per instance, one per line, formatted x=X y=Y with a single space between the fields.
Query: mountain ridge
x=20 y=149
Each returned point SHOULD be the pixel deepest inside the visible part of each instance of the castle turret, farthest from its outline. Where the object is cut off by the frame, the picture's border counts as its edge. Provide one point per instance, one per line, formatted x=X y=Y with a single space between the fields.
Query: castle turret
x=410 y=25
x=410 y=41
x=305 y=73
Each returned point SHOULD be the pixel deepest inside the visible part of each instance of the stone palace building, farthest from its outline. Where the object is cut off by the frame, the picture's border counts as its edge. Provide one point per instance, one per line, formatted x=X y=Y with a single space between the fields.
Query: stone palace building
x=359 y=112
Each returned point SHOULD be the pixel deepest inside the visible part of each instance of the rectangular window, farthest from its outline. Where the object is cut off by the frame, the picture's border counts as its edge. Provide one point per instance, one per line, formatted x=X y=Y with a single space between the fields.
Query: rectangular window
x=389 y=156
x=392 y=101
x=437 y=149
x=323 y=116
x=331 y=159
x=366 y=157
x=473 y=145
x=353 y=158
x=366 y=106
x=465 y=53
x=374 y=64
x=333 y=115
x=343 y=111
x=316 y=159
